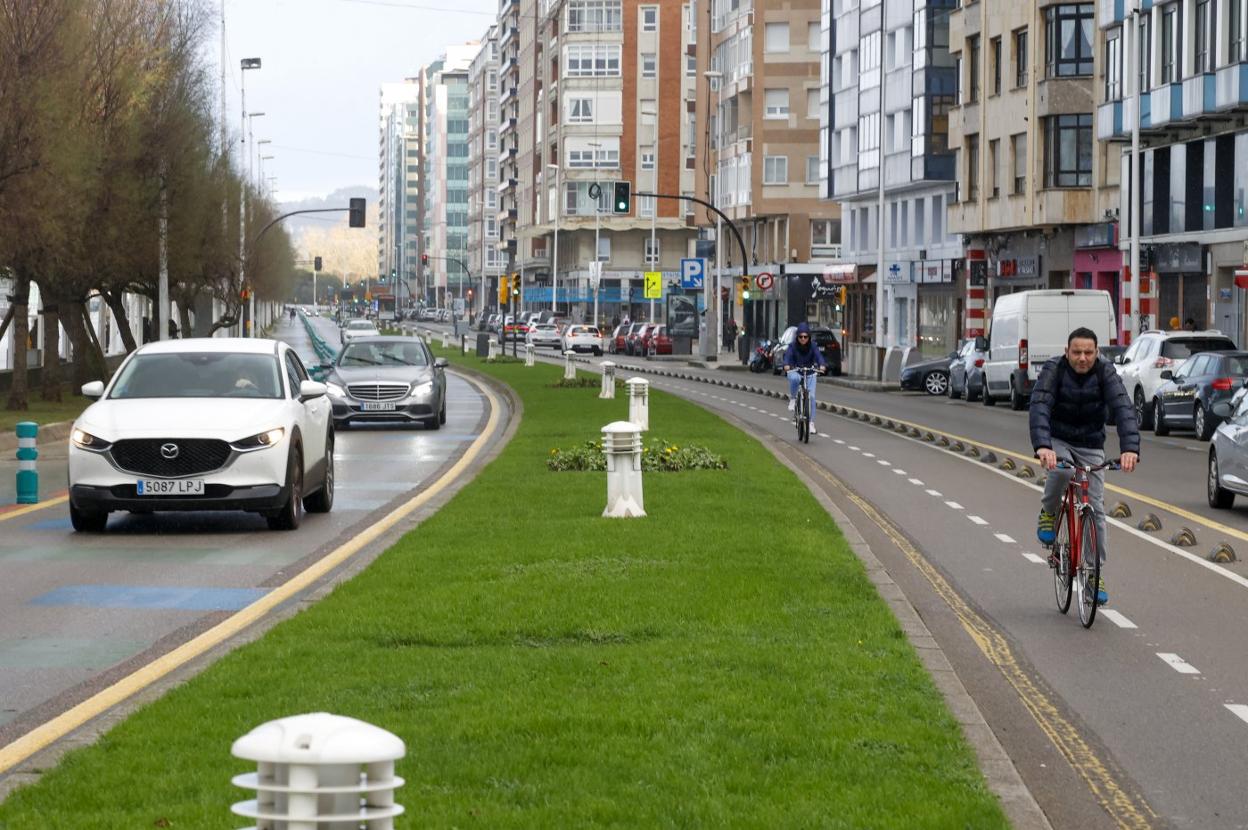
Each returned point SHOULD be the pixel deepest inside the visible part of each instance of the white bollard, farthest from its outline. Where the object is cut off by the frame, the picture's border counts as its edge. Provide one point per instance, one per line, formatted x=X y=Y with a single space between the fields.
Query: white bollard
x=569 y=370
x=639 y=402
x=621 y=442
x=319 y=771
x=446 y=340
x=528 y=354
x=608 y=380
x=493 y=355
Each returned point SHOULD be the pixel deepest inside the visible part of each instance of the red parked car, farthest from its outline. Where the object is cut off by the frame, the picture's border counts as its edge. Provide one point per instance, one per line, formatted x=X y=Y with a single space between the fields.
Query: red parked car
x=618 y=341
x=659 y=342
x=636 y=339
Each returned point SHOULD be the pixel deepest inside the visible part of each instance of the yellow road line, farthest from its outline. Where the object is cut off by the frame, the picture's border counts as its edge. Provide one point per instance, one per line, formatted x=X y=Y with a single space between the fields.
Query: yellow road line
x=1126 y=811
x=31 y=508
x=40 y=737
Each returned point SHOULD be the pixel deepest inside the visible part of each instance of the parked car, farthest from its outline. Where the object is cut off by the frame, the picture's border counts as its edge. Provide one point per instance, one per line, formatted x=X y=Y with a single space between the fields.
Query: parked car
x=615 y=342
x=966 y=371
x=660 y=342
x=635 y=338
x=582 y=339
x=204 y=424
x=1187 y=394
x=543 y=334
x=1228 y=454
x=513 y=330
x=1029 y=327
x=1155 y=351
x=930 y=376
x=824 y=339
x=355 y=329
x=387 y=379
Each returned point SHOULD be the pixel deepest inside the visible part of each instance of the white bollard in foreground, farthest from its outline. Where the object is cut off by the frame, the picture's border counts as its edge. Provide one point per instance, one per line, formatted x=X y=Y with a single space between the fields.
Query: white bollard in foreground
x=621 y=442
x=528 y=354
x=608 y=380
x=493 y=355
x=639 y=402
x=569 y=370
x=446 y=340
x=319 y=771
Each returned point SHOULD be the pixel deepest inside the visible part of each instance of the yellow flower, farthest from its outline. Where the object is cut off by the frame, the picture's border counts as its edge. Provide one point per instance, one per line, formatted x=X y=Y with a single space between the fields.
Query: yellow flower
x=554 y=451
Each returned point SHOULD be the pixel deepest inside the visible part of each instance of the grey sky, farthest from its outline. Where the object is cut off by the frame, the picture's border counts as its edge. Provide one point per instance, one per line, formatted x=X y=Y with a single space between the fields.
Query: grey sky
x=323 y=63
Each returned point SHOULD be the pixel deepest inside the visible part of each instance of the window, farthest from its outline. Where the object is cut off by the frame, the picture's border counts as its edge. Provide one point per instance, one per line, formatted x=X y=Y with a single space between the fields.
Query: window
x=647 y=161
x=649 y=65
x=869 y=53
x=1204 y=54
x=1113 y=65
x=645 y=206
x=972 y=68
x=812 y=37
x=957 y=74
x=1068 y=40
x=1018 y=144
x=585 y=158
x=972 y=167
x=869 y=140
x=776 y=103
x=994 y=147
x=649 y=18
x=995 y=49
x=823 y=232
x=1020 y=57
x=691 y=66
x=812 y=170
x=1146 y=54
x=604 y=242
x=580 y=110
x=592 y=60
x=1068 y=151
x=653 y=249
x=812 y=104
x=594 y=16
x=1169 y=17
x=776 y=37
x=775 y=169
x=1235 y=31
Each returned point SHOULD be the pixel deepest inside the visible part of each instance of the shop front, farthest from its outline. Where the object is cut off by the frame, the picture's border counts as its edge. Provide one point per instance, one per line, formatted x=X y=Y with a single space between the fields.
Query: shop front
x=939 y=307
x=1098 y=263
x=1182 y=286
x=1016 y=268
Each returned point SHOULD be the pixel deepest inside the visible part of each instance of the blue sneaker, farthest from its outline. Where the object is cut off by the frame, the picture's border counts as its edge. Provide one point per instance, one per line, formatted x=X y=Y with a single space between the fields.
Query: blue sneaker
x=1102 y=597
x=1046 y=528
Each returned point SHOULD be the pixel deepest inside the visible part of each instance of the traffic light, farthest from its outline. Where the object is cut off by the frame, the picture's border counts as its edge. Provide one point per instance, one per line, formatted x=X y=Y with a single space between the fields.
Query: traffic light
x=502 y=289
x=840 y=299
x=623 y=201
x=316 y=263
x=394 y=274
x=357 y=213
x=745 y=287
x=515 y=286
x=424 y=260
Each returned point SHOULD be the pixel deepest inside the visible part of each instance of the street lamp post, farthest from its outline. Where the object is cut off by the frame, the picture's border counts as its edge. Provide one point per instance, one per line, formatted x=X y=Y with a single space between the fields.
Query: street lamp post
x=1133 y=325
x=244 y=65
x=251 y=155
x=711 y=294
x=554 y=259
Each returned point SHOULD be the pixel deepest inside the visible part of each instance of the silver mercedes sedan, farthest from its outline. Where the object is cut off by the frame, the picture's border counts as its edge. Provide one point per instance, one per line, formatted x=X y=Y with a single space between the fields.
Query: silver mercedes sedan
x=387 y=379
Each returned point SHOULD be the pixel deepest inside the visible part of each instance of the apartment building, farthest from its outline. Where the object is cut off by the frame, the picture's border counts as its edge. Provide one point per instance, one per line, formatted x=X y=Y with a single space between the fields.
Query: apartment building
x=514 y=16
x=1192 y=76
x=485 y=261
x=400 y=183
x=763 y=94
x=1037 y=195
x=893 y=84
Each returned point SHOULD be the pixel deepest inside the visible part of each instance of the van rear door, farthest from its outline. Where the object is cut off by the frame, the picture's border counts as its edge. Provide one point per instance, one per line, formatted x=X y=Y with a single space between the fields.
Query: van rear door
x=1052 y=317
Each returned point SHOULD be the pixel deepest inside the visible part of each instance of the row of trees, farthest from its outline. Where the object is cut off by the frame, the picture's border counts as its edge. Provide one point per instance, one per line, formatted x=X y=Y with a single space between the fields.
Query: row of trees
x=107 y=149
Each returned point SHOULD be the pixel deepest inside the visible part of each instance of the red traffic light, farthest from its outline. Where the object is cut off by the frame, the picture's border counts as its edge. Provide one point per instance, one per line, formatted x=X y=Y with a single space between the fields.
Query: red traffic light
x=424 y=259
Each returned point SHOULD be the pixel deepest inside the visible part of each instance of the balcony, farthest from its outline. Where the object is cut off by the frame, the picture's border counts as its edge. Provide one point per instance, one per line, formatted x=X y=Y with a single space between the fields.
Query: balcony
x=506 y=184
x=1166 y=102
x=509 y=66
x=506 y=215
x=1110 y=12
x=1109 y=121
x=1199 y=95
x=1231 y=87
x=509 y=34
x=509 y=95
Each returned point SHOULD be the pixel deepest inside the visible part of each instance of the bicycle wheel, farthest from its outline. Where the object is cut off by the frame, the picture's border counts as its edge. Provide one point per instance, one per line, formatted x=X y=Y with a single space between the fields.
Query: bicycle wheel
x=1089 y=575
x=1062 y=572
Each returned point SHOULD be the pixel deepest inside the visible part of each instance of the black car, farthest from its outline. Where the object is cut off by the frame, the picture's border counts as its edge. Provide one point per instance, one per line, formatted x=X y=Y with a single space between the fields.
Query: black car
x=930 y=376
x=1185 y=398
x=825 y=340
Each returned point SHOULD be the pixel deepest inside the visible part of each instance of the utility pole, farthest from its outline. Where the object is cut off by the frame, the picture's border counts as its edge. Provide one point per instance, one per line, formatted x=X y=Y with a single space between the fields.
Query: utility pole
x=1133 y=325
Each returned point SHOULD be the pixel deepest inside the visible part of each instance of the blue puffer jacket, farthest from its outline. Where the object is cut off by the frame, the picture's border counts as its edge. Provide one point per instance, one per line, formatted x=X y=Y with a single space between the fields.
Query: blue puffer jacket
x=811 y=358
x=1072 y=408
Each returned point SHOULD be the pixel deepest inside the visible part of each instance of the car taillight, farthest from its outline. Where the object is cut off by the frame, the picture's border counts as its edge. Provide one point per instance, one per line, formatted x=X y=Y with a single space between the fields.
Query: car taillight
x=979 y=363
x=1223 y=384
x=1162 y=362
x=1022 y=354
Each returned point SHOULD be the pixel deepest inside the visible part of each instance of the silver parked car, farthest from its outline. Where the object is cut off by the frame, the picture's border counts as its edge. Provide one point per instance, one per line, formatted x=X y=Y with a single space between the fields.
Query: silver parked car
x=1228 y=453
x=966 y=372
x=387 y=379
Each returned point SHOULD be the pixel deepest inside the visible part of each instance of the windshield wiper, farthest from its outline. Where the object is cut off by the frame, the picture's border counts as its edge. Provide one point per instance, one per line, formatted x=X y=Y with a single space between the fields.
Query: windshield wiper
x=362 y=361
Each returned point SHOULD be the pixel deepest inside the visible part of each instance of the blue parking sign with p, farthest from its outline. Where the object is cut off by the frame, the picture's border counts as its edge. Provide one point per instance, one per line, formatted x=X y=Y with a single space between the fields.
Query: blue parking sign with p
x=692 y=272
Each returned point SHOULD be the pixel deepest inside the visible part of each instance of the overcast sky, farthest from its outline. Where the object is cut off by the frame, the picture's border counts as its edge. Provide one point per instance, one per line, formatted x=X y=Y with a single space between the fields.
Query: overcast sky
x=323 y=63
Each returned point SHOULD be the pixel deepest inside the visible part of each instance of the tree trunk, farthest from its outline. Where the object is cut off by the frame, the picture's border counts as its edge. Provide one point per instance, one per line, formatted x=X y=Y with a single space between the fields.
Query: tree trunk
x=184 y=320
x=8 y=318
x=51 y=352
x=96 y=351
x=116 y=302
x=87 y=364
x=21 y=337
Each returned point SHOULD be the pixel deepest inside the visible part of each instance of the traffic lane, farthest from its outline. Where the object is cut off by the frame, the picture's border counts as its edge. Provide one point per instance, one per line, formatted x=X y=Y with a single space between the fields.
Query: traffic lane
x=73 y=605
x=1112 y=677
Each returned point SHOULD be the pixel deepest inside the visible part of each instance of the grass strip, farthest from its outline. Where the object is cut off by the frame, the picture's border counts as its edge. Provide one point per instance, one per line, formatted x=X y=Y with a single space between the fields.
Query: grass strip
x=722 y=662
x=46 y=412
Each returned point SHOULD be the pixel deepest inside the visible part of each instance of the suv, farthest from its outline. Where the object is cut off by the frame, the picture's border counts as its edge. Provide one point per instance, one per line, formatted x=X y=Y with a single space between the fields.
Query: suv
x=1152 y=353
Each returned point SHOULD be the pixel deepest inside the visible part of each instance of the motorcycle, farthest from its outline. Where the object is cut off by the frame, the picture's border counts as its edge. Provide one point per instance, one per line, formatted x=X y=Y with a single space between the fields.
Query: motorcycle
x=760 y=359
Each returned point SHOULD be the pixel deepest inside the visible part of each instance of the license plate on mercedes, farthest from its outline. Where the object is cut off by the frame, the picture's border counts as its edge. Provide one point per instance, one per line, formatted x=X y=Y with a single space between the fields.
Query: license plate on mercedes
x=170 y=487
x=372 y=406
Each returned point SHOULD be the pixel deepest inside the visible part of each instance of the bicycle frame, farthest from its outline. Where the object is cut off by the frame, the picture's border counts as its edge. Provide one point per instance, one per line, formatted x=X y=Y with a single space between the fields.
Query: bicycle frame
x=1075 y=514
x=801 y=407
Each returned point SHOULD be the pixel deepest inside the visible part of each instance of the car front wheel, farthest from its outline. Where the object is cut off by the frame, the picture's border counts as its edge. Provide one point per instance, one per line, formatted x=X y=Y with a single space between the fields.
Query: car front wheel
x=322 y=501
x=1160 y=427
x=1143 y=413
x=291 y=512
x=87 y=521
x=935 y=383
x=1218 y=496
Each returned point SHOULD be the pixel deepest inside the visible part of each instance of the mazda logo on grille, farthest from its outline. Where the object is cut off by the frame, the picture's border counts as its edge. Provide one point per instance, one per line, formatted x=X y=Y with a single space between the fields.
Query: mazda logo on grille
x=169 y=451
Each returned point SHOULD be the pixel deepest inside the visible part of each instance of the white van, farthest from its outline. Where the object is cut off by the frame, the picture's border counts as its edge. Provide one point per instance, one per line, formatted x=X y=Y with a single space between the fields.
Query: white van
x=1030 y=327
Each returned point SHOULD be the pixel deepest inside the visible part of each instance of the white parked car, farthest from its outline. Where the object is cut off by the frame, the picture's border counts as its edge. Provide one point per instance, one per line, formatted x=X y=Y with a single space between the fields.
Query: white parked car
x=543 y=334
x=582 y=339
x=356 y=329
x=204 y=424
x=1153 y=352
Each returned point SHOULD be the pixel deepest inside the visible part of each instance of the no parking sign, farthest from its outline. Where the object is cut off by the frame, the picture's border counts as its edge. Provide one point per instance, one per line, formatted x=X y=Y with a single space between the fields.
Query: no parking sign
x=764 y=281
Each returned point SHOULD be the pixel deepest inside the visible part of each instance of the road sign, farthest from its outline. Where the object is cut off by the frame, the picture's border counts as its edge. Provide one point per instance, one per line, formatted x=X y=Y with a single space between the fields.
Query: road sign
x=457 y=305
x=692 y=272
x=595 y=271
x=654 y=285
x=764 y=281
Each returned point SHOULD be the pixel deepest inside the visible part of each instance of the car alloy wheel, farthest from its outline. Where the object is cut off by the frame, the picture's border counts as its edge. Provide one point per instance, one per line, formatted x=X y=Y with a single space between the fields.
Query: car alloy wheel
x=1201 y=423
x=291 y=512
x=1218 y=497
x=322 y=501
x=1143 y=413
x=935 y=383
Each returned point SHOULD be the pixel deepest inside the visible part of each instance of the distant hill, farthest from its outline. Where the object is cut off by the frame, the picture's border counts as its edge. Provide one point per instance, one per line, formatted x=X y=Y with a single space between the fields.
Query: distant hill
x=346 y=252
x=299 y=226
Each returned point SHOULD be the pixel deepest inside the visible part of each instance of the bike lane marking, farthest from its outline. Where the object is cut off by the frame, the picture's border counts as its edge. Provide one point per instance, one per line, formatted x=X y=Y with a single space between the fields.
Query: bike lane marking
x=1177 y=663
x=1239 y=710
x=977 y=520
x=1117 y=618
x=1039 y=560
x=1001 y=537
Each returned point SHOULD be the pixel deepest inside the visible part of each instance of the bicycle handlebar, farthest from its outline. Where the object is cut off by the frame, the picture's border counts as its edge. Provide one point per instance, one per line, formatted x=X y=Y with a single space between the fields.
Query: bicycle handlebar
x=806 y=370
x=1114 y=464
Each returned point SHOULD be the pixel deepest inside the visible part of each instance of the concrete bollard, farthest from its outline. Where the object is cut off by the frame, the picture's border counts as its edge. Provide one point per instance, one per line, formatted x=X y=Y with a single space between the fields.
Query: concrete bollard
x=528 y=354
x=446 y=340
x=493 y=355
x=639 y=402
x=569 y=370
x=27 y=455
x=319 y=770
x=608 y=380
x=621 y=443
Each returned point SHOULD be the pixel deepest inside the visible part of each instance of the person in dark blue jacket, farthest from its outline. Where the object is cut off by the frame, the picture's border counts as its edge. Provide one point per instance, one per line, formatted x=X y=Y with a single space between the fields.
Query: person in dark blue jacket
x=1067 y=421
x=803 y=352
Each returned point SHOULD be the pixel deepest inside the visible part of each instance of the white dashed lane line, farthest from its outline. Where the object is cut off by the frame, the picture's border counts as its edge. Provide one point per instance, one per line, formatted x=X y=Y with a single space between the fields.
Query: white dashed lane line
x=934 y=493
x=899 y=472
x=868 y=455
x=916 y=482
x=953 y=505
x=1001 y=537
x=977 y=520
x=1240 y=710
x=1039 y=560
x=839 y=441
x=1117 y=619
x=1177 y=663
x=883 y=463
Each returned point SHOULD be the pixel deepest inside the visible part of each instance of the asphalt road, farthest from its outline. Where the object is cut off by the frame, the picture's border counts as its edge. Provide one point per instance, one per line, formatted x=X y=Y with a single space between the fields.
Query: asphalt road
x=79 y=610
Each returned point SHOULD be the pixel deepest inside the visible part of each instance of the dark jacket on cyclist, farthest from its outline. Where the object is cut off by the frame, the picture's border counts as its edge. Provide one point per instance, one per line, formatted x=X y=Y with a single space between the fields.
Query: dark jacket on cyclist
x=1072 y=407
x=807 y=356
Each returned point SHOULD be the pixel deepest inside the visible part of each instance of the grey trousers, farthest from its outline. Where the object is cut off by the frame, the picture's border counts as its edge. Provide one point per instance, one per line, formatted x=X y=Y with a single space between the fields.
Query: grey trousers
x=1055 y=486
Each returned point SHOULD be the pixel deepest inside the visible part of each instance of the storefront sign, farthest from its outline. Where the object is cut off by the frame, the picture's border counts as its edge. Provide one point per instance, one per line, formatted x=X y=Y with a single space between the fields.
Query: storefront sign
x=1178 y=258
x=1021 y=268
x=895 y=274
x=841 y=272
x=936 y=270
x=1103 y=235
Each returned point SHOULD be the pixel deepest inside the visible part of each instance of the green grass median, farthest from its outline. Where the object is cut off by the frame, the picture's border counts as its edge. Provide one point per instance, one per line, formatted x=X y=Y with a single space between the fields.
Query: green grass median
x=722 y=662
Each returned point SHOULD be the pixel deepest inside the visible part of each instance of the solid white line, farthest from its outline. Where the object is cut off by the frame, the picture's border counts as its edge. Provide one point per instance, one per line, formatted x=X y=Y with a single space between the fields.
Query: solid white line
x=977 y=520
x=1239 y=710
x=1177 y=663
x=954 y=505
x=1117 y=619
x=916 y=482
x=1004 y=538
x=1039 y=560
x=935 y=493
x=883 y=463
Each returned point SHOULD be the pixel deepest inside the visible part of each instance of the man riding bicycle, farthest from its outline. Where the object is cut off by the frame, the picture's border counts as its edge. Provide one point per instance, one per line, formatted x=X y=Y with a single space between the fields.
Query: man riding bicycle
x=1067 y=420
x=803 y=353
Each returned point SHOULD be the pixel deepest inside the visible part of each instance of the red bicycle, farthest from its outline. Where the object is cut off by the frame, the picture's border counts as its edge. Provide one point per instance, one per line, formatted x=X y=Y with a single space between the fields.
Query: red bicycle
x=1073 y=571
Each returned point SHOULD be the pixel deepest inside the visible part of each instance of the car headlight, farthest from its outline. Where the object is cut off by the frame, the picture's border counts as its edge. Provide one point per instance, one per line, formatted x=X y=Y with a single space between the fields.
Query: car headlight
x=84 y=440
x=423 y=388
x=335 y=390
x=260 y=440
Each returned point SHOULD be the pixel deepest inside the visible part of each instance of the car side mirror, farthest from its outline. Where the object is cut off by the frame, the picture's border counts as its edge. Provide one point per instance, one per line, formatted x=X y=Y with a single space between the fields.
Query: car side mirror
x=1222 y=409
x=1166 y=374
x=1120 y=359
x=310 y=389
x=94 y=389
x=981 y=344
x=441 y=363
x=1244 y=383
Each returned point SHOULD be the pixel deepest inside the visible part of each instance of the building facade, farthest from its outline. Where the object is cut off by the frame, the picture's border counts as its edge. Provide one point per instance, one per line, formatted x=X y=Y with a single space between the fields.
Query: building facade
x=485 y=261
x=400 y=185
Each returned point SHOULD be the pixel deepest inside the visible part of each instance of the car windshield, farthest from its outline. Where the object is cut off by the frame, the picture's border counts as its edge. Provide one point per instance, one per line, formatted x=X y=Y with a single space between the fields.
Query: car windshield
x=383 y=353
x=1237 y=365
x=199 y=375
x=1177 y=349
x=360 y=324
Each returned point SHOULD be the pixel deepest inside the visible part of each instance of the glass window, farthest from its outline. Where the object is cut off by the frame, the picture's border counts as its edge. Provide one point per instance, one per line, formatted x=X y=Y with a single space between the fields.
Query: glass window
x=594 y=16
x=812 y=37
x=776 y=103
x=812 y=170
x=647 y=161
x=812 y=104
x=1144 y=70
x=972 y=69
x=1235 y=30
x=649 y=65
x=1068 y=39
x=199 y=375
x=775 y=170
x=1068 y=151
x=653 y=248
x=972 y=167
x=1113 y=64
x=993 y=173
x=649 y=18
x=1204 y=55
x=1019 y=144
x=580 y=110
x=996 y=66
x=604 y=248
x=776 y=37
x=1020 y=57
x=1169 y=17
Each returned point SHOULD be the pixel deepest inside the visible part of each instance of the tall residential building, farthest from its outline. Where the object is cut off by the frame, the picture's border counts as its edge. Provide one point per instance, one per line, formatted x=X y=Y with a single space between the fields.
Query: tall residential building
x=485 y=261
x=892 y=86
x=399 y=187
x=762 y=93
x=446 y=173
x=512 y=15
x=1193 y=171
x=1036 y=192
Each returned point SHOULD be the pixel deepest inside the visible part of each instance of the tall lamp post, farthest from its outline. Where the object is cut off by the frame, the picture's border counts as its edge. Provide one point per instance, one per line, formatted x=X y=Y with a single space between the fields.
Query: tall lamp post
x=711 y=294
x=251 y=156
x=1133 y=326
x=244 y=65
x=554 y=259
